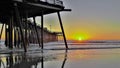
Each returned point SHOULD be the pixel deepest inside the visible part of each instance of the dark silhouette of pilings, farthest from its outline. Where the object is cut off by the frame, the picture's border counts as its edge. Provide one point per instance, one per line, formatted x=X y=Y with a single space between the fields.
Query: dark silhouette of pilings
x=19 y=32
x=32 y=34
x=20 y=25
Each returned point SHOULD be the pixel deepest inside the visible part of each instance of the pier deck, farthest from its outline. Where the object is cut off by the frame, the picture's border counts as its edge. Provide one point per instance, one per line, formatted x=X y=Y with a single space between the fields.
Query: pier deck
x=32 y=8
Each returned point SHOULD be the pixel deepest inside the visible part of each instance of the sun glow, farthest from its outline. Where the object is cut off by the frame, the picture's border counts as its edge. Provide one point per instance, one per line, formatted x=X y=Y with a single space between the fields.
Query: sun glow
x=80 y=38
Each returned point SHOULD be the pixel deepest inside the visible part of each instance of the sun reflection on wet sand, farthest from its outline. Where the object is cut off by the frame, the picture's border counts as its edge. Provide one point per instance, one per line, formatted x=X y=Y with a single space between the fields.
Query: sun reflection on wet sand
x=61 y=59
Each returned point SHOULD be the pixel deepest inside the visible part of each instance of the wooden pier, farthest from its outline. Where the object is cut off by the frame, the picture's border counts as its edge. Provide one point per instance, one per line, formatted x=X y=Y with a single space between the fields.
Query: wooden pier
x=14 y=16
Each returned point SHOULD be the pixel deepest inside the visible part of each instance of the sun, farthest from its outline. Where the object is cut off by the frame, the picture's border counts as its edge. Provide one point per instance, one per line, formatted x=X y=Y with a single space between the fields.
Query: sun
x=80 y=38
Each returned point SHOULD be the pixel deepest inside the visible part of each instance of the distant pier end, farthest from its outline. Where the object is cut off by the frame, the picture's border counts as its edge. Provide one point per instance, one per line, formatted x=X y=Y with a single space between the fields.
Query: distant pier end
x=14 y=16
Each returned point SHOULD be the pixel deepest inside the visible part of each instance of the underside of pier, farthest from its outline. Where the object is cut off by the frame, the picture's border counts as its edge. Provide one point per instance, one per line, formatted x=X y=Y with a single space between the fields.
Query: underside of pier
x=14 y=16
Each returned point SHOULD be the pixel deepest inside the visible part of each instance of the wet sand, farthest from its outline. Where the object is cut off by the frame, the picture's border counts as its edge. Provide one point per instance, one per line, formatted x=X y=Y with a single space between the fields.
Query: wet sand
x=88 y=58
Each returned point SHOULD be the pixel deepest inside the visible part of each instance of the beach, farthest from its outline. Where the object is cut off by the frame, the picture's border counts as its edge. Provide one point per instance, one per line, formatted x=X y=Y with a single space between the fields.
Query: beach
x=50 y=58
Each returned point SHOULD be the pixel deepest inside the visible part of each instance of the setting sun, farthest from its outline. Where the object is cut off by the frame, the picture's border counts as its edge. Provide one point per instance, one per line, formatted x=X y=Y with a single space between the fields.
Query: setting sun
x=80 y=38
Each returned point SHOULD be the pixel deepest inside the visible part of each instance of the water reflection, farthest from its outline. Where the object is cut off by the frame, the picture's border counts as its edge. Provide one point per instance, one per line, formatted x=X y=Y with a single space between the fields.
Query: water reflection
x=65 y=59
x=27 y=61
x=19 y=61
x=61 y=59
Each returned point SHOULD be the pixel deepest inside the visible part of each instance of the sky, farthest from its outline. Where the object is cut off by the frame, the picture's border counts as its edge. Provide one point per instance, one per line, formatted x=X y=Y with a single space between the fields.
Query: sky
x=89 y=20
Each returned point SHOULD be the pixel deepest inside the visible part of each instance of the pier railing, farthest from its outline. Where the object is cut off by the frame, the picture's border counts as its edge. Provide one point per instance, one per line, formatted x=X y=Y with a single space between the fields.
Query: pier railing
x=55 y=2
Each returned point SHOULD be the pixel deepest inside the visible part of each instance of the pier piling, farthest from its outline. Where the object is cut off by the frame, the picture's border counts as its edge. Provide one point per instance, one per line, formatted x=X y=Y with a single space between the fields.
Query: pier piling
x=36 y=31
x=42 y=31
x=61 y=25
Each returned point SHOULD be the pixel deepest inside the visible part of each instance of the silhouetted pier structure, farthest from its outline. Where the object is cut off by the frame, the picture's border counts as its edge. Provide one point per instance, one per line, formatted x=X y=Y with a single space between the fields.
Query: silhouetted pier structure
x=14 y=16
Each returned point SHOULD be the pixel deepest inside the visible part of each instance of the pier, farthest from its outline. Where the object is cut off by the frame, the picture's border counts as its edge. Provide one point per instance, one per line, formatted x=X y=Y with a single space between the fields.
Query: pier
x=19 y=31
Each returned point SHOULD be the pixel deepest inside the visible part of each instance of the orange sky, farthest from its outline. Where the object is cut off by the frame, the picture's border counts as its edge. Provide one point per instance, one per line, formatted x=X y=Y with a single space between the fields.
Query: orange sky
x=89 y=20
x=85 y=28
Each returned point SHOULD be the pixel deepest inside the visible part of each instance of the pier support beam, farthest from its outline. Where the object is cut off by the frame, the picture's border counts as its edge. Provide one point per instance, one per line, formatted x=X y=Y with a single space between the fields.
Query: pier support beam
x=42 y=32
x=26 y=29
x=6 y=35
x=36 y=31
x=15 y=35
x=61 y=25
x=18 y=19
x=10 y=27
